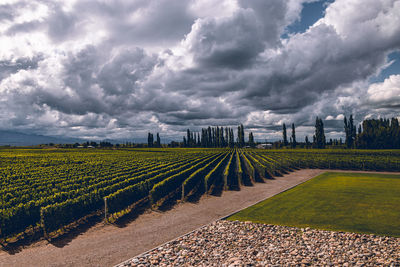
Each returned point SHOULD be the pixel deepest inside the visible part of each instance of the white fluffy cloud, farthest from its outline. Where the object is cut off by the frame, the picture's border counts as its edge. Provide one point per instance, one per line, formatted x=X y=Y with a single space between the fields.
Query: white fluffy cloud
x=385 y=94
x=114 y=70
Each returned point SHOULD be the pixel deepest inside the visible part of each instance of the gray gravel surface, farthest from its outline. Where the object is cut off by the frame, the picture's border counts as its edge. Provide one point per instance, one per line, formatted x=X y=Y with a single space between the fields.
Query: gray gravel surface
x=226 y=243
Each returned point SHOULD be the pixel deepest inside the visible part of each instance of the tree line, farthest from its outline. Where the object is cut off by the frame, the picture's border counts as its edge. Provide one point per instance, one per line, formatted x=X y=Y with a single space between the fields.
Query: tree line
x=150 y=140
x=319 y=139
x=371 y=134
x=217 y=137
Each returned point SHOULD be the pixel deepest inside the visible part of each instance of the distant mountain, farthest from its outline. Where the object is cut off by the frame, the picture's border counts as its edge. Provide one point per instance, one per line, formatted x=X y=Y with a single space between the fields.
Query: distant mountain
x=133 y=140
x=25 y=139
x=21 y=139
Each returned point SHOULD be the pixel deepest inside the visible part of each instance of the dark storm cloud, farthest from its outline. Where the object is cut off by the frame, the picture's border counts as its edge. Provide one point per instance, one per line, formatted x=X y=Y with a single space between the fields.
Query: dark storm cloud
x=121 y=75
x=235 y=42
x=232 y=43
x=307 y=67
x=93 y=87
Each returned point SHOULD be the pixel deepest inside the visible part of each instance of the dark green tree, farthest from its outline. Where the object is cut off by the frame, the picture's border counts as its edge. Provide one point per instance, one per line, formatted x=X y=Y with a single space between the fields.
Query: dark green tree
x=158 y=142
x=285 y=141
x=204 y=138
x=221 y=136
x=188 y=138
x=320 y=140
x=379 y=134
x=217 y=137
x=150 y=140
x=251 y=140
x=350 y=131
x=198 y=140
x=214 y=137
x=294 y=143
x=184 y=142
x=231 y=138
x=242 y=135
x=239 y=133
x=209 y=139
x=226 y=136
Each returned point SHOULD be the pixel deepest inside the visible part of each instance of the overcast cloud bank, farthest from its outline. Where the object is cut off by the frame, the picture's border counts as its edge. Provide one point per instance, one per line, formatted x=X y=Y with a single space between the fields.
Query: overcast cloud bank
x=96 y=69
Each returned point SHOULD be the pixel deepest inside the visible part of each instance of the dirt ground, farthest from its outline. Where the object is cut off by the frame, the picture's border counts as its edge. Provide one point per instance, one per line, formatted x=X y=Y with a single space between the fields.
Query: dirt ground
x=107 y=245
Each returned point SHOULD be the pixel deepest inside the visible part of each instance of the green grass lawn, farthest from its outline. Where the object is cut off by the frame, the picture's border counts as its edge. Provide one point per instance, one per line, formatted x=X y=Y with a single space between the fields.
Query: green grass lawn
x=351 y=202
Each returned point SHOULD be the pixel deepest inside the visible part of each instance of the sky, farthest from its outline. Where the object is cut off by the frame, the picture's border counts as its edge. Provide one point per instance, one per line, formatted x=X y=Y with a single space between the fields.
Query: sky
x=100 y=69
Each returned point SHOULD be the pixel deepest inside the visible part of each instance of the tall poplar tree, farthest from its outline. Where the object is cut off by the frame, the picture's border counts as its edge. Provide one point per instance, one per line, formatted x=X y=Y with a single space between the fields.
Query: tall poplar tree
x=320 y=140
x=209 y=138
x=294 y=143
x=198 y=140
x=188 y=138
x=158 y=142
x=150 y=140
x=285 y=142
x=226 y=136
x=221 y=136
x=350 y=131
x=184 y=142
x=251 y=140
x=231 y=138
x=241 y=135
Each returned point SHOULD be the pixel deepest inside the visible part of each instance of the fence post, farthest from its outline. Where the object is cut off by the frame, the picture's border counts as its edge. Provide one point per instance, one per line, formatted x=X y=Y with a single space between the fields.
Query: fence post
x=43 y=224
x=105 y=209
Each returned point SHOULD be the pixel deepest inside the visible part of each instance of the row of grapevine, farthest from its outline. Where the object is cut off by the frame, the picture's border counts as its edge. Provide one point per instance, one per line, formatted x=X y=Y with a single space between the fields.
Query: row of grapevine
x=249 y=169
x=263 y=170
x=118 y=197
x=59 y=206
x=215 y=174
x=197 y=177
x=54 y=188
x=239 y=170
x=172 y=183
x=231 y=180
x=127 y=196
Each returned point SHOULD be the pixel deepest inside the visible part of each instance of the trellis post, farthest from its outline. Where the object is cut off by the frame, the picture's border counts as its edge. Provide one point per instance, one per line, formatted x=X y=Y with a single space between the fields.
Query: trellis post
x=105 y=210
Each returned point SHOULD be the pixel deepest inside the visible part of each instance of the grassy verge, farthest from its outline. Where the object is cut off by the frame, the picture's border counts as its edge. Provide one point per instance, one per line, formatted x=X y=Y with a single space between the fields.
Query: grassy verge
x=353 y=202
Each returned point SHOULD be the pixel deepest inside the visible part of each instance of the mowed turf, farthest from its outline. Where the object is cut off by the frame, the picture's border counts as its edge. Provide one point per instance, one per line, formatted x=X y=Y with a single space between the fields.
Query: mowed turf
x=351 y=202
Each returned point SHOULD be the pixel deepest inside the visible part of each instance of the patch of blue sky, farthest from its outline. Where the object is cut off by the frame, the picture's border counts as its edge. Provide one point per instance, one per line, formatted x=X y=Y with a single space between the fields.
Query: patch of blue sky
x=310 y=14
x=392 y=69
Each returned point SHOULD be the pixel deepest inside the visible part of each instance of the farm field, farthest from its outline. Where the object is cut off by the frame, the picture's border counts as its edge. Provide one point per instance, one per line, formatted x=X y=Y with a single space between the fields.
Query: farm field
x=46 y=190
x=351 y=202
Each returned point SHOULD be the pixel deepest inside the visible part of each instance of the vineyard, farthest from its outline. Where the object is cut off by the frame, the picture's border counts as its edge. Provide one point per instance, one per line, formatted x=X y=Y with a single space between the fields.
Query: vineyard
x=46 y=190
